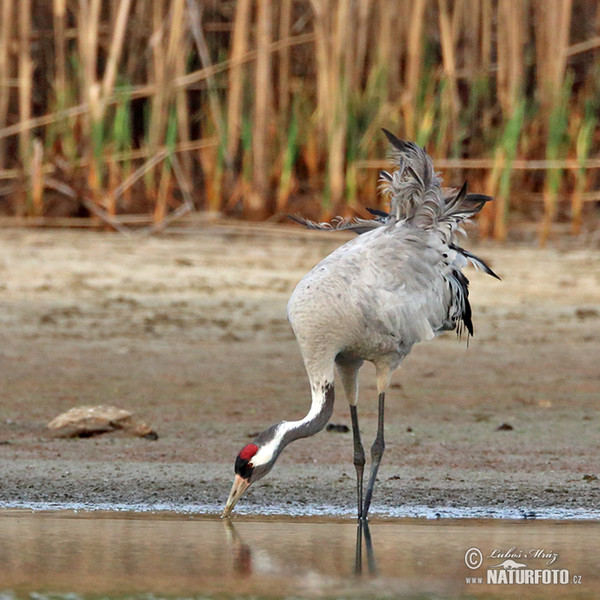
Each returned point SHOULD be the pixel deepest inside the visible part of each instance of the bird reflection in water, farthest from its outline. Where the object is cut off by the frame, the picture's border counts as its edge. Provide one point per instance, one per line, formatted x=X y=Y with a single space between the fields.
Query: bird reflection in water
x=363 y=532
x=242 y=553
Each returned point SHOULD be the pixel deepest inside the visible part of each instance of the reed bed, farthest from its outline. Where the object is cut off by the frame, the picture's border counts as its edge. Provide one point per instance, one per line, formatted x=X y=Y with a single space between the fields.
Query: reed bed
x=257 y=108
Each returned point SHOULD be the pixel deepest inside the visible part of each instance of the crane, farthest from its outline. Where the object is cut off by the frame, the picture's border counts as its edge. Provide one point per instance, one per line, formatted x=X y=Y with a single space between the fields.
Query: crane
x=398 y=283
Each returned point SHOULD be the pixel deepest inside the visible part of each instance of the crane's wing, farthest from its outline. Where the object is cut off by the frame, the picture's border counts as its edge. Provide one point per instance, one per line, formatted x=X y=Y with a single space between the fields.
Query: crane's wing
x=393 y=286
x=420 y=288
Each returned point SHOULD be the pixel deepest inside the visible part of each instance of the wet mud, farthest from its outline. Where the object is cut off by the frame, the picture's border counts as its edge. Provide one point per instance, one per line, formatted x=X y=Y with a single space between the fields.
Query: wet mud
x=189 y=332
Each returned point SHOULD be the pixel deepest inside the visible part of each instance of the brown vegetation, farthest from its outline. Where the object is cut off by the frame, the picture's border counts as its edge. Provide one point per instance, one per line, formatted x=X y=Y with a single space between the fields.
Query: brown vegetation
x=257 y=108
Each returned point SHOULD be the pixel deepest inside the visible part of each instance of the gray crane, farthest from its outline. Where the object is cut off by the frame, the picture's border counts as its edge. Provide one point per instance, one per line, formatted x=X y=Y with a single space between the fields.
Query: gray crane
x=398 y=283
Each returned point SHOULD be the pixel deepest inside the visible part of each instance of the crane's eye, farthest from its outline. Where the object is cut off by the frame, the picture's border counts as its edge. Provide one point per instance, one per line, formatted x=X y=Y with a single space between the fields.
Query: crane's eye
x=243 y=467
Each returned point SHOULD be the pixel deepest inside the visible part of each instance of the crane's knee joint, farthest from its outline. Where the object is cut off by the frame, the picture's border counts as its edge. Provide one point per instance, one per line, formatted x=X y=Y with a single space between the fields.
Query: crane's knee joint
x=359 y=458
x=377 y=448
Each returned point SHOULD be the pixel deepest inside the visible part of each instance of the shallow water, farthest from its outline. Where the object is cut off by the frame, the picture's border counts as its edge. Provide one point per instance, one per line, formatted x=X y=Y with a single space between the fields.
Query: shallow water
x=71 y=554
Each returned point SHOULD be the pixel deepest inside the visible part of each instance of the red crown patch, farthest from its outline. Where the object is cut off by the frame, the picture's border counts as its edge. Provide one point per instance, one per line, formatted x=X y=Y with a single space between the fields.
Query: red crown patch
x=248 y=451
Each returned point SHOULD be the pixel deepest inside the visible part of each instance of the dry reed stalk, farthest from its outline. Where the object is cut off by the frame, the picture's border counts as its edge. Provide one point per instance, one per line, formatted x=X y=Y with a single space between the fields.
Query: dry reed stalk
x=137 y=37
x=384 y=44
x=487 y=18
x=181 y=105
x=471 y=18
x=48 y=119
x=162 y=197
x=114 y=54
x=183 y=115
x=323 y=54
x=501 y=206
x=285 y=25
x=552 y=45
x=176 y=45
x=154 y=160
x=25 y=79
x=485 y=54
x=175 y=56
x=179 y=177
x=238 y=49
x=577 y=205
x=114 y=174
x=312 y=157
x=25 y=76
x=195 y=21
x=510 y=51
x=414 y=65
x=552 y=25
x=212 y=185
x=37 y=178
x=6 y=28
x=158 y=74
x=400 y=17
x=488 y=215
x=583 y=146
x=449 y=59
x=361 y=46
x=255 y=203
x=159 y=100
x=87 y=33
x=341 y=67
x=60 y=43
x=88 y=20
x=586 y=46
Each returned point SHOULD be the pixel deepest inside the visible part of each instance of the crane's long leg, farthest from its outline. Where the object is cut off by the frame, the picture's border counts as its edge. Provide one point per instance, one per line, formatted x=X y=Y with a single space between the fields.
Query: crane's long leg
x=359 y=458
x=377 y=450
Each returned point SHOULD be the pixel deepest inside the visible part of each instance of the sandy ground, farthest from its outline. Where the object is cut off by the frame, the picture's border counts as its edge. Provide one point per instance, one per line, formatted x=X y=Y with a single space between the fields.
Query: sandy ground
x=189 y=331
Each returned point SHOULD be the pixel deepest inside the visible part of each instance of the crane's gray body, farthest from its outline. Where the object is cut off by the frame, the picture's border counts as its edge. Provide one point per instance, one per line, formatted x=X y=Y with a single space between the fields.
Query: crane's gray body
x=374 y=297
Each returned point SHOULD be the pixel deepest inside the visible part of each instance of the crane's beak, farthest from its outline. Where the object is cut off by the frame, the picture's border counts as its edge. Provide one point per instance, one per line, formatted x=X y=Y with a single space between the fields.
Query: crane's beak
x=240 y=485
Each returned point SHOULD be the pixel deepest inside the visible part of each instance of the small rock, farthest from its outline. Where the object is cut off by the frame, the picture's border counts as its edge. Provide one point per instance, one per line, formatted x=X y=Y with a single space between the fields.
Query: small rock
x=588 y=477
x=504 y=427
x=183 y=262
x=586 y=313
x=338 y=428
x=87 y=421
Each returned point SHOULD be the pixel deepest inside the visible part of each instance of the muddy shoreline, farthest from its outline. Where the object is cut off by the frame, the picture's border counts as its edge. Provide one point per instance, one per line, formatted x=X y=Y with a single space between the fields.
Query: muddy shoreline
x=189 y=332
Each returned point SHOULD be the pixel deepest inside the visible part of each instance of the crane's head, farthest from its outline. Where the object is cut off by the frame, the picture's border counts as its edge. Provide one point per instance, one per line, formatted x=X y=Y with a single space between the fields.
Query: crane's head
x=253 y=462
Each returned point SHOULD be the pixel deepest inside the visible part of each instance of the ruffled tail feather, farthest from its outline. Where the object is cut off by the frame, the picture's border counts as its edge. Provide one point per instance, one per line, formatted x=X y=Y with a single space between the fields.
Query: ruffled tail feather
x=416 y=194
